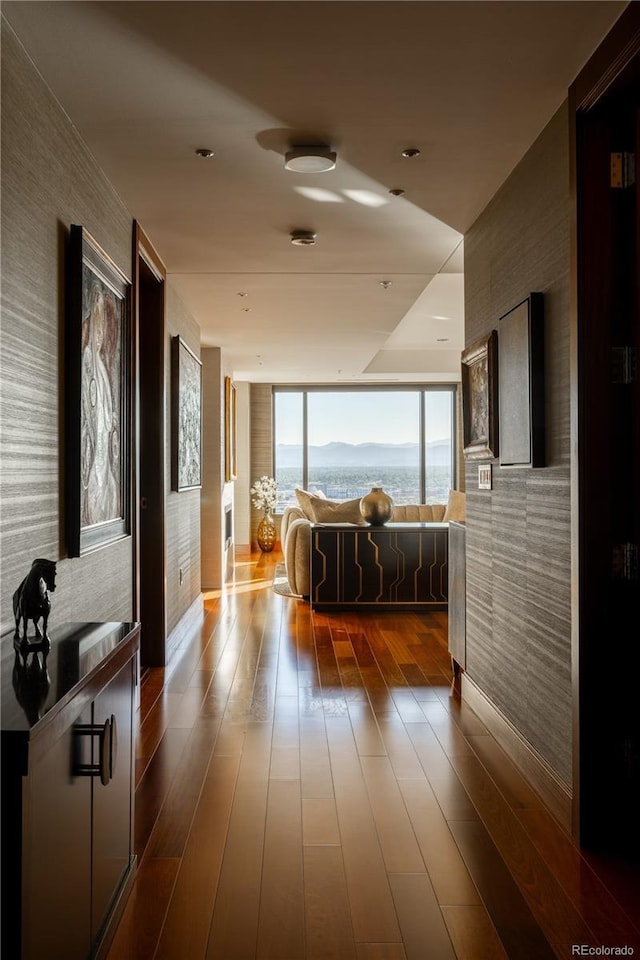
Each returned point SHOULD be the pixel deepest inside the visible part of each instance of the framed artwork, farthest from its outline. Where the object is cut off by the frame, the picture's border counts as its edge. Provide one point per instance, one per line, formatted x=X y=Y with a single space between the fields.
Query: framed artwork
x=521 y=376
x=186 y=417
x=97 y=397
x=230 y=427
x=479 y=399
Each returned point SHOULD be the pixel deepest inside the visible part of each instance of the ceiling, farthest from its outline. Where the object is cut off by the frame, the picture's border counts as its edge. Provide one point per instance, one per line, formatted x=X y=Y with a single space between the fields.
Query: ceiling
x=470 y=84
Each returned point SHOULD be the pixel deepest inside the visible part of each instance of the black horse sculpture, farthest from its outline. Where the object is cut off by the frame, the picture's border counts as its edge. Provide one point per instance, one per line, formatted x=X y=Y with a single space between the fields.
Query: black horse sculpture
x=31 y=599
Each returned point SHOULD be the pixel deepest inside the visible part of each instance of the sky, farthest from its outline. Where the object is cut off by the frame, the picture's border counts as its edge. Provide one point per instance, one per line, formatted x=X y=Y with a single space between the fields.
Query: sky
x=362 y=416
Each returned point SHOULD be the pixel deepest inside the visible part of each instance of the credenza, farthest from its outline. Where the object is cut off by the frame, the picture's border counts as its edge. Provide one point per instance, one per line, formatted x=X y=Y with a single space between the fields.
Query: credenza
x=67 y=789
x=395 y=566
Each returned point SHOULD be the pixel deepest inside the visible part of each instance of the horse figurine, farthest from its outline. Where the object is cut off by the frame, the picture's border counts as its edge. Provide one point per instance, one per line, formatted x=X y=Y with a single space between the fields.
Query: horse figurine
x=31 y=600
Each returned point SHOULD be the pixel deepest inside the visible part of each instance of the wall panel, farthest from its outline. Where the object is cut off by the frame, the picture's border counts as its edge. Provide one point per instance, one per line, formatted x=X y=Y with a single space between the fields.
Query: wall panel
x=518 y=534
x=261 y=413
x=182 y=509
x=49 y=181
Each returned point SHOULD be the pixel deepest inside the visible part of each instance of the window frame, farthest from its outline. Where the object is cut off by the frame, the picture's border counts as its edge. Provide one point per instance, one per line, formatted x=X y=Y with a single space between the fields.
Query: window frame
x=421 y=388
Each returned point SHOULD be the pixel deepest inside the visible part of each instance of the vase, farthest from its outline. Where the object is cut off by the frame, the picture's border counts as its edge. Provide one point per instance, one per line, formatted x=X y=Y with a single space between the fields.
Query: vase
x=376 y=507
x=266 y=535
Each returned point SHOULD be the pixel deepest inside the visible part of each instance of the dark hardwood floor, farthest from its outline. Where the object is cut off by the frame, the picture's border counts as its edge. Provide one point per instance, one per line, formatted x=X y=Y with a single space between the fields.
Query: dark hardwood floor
x=310 y=787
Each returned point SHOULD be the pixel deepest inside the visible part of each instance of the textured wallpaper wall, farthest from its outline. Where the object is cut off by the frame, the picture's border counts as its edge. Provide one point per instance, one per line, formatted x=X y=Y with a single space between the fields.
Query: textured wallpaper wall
x=518 y=534
x=182 y=509
x=49 y=181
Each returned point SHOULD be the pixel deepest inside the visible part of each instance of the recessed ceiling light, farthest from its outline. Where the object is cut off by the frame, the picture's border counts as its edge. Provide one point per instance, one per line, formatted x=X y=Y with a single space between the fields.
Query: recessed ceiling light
x=385 y=284
x=303 y=238
x=397 y=192
x=442 y=340
x=411 y=152
x=315 y=158
x=205 y=152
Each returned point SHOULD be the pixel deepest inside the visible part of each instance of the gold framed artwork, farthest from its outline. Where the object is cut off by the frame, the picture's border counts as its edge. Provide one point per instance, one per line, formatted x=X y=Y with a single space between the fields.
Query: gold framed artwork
x=230 y=430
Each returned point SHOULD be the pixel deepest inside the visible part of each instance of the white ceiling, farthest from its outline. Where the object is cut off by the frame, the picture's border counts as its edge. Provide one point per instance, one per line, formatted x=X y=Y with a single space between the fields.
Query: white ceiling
x=471 y=84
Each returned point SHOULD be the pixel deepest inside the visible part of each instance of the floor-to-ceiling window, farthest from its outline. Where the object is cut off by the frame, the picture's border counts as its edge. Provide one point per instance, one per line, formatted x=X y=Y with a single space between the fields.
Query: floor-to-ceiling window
x=343 y=441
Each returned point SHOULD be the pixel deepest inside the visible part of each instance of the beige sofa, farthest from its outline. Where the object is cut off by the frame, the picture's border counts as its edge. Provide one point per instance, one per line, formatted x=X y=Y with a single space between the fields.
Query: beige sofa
x=295 y=529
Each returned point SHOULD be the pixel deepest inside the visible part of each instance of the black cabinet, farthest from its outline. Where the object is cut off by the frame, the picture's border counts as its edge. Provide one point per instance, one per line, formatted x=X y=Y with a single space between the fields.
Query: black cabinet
x=396 y=566
x=67 y=784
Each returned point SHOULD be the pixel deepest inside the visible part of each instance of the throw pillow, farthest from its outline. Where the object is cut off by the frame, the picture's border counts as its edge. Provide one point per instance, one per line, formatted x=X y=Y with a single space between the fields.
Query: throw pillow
x=305 y=502
x=330 y=511
x=455 y=506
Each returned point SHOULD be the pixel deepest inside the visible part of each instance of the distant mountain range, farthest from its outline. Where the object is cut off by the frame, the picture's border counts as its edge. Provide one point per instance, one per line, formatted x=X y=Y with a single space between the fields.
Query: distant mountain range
x=363 y=454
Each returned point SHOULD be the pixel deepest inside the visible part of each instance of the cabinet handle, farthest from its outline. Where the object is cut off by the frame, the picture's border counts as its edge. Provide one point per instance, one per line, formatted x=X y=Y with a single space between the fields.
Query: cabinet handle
x=106 y=750
x=113 y=748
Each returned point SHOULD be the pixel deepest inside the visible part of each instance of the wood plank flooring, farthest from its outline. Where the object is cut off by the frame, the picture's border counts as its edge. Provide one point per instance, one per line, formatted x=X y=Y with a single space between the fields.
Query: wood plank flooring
x=310 y=787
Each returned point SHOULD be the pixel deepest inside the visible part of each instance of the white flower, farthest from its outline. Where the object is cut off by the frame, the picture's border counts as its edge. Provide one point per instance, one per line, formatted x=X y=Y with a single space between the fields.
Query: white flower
x=264 y=494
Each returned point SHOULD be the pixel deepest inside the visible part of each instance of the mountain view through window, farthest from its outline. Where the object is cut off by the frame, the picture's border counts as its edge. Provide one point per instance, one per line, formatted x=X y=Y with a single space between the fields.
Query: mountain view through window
x=346 y=441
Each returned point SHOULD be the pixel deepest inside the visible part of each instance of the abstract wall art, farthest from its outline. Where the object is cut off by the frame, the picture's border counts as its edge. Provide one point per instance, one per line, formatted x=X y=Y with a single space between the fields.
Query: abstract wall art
x=186 y=417
x=97 y=397
x=521 y=376
x=479 y=399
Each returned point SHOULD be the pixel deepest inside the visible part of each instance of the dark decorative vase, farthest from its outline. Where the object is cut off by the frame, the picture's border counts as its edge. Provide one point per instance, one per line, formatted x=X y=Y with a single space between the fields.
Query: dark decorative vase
x=376 y=507
x=266 y=534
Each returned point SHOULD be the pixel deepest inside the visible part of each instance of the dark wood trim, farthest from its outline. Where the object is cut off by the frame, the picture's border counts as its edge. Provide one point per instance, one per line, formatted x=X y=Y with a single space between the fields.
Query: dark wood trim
x=594 y=100
x=606 y=67
x=146 y=250
x=147 y=261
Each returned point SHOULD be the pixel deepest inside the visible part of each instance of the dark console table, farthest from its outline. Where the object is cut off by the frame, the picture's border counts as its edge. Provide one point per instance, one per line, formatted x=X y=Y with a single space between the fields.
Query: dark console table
x=67 y=790
x=399 y=565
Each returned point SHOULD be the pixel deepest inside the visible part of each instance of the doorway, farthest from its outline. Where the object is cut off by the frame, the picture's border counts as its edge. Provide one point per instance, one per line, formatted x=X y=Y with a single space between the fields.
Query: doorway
x=607 y=428
x=150 y=572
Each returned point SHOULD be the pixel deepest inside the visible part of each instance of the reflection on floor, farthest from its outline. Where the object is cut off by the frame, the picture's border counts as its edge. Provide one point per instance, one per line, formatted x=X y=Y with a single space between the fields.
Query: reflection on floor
x=309 y=786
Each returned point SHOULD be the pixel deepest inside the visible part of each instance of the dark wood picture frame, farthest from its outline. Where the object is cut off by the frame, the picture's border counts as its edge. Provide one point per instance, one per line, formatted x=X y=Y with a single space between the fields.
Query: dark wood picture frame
x=521 y=378
x=97 y=397
x=186 y=417
x=230 y=429
x=480 y=399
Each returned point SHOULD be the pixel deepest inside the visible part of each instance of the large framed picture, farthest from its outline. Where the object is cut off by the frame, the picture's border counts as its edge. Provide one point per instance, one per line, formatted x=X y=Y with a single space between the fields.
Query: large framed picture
x=186 y=417
x=230 y=428
x=480 y=399
x=97 y=397
x=521 y=376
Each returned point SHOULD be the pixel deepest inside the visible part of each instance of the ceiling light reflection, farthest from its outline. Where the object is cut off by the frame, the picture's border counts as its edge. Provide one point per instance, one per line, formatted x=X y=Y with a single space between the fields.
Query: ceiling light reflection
x=366 y=197
x=319 y=194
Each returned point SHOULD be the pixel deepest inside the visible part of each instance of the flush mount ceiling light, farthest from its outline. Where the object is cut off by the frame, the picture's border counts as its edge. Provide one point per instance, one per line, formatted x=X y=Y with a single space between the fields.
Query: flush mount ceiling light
x=316 y=158
x=303 y=238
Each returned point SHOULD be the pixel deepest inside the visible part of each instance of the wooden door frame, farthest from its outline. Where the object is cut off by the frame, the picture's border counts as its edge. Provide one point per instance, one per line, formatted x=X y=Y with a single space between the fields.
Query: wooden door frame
x=144 y=252
x=605 y=75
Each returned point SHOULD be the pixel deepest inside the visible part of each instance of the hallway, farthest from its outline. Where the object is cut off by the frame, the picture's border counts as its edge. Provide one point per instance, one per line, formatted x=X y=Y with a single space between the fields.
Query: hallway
x=309 y=787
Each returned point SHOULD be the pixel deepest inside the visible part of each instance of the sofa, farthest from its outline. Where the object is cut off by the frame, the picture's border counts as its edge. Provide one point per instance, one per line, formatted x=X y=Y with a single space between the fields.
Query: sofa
x=313 y=507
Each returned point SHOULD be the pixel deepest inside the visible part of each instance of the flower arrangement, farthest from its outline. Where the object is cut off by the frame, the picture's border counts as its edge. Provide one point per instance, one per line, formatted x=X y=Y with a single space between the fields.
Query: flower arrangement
x=264 y=494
